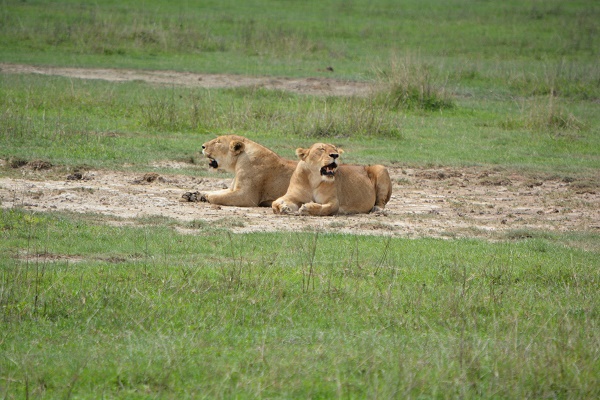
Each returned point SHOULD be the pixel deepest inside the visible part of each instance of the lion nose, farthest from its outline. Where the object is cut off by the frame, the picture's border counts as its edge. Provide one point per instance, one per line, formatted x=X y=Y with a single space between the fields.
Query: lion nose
x=203 y=147
x=334 y=155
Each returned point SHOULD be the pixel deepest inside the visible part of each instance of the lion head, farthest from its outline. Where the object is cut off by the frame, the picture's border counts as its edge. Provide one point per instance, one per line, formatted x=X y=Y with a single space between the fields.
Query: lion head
x=321 y=157
x=222 y=152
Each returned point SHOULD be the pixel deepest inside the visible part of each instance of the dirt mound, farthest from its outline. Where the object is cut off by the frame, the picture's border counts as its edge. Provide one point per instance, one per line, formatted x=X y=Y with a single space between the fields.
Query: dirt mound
x=425 y=203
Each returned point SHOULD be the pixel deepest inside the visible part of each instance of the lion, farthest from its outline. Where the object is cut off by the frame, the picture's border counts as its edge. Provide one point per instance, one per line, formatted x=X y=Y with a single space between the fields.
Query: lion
x=319 y=186
x=260 y=175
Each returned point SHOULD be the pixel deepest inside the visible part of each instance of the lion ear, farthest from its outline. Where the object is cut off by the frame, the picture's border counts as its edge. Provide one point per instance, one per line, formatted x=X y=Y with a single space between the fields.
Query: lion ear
x=236 y=147
x=301 y=153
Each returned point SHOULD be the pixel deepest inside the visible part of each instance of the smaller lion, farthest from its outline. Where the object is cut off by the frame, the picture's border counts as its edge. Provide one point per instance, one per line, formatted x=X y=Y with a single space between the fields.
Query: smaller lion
x=260 y=175
x=319 y=186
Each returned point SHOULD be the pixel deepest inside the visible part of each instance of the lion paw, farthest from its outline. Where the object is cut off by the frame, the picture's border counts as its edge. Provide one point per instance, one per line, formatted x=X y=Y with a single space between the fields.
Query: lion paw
x=189 y=196
x=378 y=211
x=310 y=209
x=284 y=209
x=194 y=197
x=281 y=207
x=303 y=210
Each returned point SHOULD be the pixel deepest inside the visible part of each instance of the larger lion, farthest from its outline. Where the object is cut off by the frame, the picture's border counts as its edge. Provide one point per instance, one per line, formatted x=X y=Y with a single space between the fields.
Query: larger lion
x=260 y=175
x=319 y=186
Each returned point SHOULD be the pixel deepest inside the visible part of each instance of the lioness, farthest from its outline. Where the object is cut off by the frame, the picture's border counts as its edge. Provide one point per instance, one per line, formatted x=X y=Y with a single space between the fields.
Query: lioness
x=319 y=186
x=261 y=176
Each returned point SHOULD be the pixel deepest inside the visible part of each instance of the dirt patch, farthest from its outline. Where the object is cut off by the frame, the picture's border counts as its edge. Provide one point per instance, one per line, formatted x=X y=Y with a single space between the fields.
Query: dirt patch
x=425 y=203
x=313 y=86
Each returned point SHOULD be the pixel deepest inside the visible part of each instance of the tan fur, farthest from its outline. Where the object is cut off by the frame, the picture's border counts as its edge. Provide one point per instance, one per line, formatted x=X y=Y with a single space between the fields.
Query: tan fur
x=345 y=189
x=261 y=176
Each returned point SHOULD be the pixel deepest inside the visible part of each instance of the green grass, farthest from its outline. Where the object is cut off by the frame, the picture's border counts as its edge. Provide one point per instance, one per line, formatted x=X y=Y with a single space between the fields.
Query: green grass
x=101 y=124
x=293 y=38
x=145 y=311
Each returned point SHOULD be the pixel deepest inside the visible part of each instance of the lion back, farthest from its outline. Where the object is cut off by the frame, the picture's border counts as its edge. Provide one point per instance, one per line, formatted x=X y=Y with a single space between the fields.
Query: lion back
x=267 y=172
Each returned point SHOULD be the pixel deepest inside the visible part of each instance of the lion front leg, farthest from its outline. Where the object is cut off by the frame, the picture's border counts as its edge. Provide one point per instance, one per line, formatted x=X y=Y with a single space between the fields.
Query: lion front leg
x=319 y=209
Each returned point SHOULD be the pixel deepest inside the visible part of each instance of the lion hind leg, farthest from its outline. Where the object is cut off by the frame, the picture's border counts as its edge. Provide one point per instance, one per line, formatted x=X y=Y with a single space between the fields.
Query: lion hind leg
x=227 y=197
x=380 y=177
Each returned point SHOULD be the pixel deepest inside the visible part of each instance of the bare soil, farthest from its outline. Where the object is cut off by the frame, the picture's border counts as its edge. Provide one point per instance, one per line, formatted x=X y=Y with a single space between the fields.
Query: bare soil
x=426 y=202
x=314 y=86
x=442 y=202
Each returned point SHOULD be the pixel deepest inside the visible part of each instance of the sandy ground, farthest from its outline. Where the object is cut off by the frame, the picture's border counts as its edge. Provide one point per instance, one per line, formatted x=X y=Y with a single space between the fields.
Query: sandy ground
x=426 y=202
x=315 y=86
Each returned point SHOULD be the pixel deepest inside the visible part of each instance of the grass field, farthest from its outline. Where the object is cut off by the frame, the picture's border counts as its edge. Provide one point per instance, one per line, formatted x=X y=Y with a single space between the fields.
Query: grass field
x=92 y=306
x=298 y=38
x=90 y=310
x=106 y=125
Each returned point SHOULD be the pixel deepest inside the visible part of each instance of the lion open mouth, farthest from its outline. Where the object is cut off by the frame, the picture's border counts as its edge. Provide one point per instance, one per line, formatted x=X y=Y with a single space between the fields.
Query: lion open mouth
x=329 y=170
x=213 y=163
